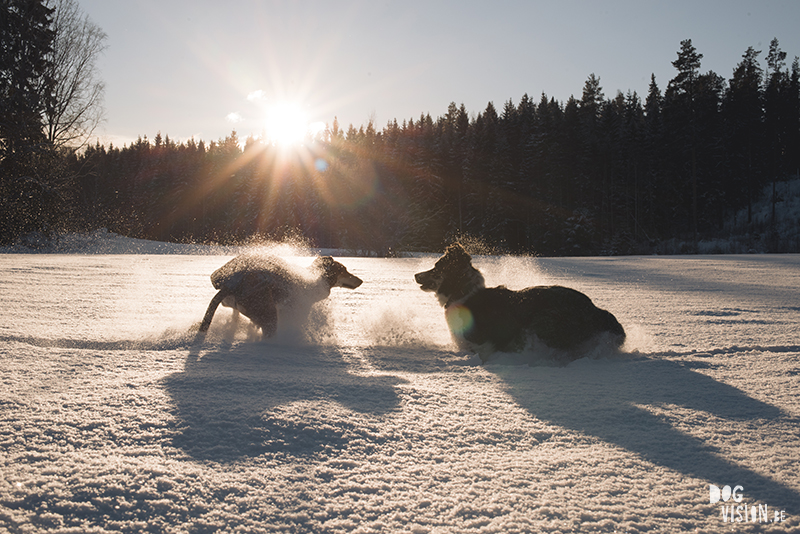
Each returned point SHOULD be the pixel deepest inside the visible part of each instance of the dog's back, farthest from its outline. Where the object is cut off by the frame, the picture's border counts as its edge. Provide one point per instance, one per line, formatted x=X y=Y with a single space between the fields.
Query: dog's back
x=254 y=270
x=565 y=318
x=561 y=317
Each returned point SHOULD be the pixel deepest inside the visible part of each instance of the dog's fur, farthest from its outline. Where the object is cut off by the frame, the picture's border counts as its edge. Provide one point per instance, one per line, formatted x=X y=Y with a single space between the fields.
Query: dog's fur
x=260 y=285
x=485 y=319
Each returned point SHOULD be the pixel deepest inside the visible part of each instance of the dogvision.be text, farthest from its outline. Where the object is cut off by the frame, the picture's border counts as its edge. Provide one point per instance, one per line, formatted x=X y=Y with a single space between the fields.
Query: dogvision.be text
x=744 y=512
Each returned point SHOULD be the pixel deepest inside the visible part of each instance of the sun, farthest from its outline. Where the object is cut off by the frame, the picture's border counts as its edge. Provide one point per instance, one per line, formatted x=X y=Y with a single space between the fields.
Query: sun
x=287 y=124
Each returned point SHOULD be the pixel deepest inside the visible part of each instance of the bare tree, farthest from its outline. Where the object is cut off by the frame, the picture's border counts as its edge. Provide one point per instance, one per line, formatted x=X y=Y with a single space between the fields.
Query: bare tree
x=75 y=107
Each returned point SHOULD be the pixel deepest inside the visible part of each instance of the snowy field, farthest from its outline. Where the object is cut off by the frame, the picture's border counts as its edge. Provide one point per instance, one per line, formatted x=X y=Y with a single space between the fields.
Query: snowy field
x=114 y=419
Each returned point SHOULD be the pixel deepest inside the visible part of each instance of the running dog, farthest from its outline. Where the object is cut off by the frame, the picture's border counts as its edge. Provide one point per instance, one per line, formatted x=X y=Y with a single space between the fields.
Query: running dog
x=259 y=286
x=485 y=320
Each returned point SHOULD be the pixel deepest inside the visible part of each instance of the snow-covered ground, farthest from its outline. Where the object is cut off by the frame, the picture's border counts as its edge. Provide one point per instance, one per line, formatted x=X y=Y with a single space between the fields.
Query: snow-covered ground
x=114 y=419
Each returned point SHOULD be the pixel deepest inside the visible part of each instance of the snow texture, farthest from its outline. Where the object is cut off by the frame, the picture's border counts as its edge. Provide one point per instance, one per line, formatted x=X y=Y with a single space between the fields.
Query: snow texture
x=113 y=418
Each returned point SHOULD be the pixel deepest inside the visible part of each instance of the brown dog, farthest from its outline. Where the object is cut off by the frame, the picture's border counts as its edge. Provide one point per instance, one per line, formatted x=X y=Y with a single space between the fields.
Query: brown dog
x=485 y=319
x=259 y=285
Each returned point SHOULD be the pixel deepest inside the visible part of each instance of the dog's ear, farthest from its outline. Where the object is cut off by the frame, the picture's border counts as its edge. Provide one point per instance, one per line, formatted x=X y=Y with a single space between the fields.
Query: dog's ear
x=457 y=254
x=323 y=263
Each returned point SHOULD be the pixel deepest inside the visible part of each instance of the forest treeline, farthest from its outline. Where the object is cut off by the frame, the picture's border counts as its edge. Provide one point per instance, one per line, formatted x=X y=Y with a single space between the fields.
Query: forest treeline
x=591 y=175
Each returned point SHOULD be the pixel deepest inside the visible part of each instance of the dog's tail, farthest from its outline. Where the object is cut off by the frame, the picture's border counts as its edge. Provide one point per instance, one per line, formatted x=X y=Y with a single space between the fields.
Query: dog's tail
x=212 y=308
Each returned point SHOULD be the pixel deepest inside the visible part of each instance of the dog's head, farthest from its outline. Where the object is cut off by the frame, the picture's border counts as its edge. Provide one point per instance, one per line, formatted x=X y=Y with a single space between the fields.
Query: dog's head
x=453 y=277
x=335 y=273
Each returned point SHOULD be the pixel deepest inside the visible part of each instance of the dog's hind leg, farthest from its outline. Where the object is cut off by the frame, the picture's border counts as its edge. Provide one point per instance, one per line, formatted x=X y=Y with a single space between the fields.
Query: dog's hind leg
x=268 y=320
x=212 y=308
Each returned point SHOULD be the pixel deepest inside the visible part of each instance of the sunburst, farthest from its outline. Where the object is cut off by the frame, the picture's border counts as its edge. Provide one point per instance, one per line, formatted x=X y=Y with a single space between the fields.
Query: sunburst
x=287 y=124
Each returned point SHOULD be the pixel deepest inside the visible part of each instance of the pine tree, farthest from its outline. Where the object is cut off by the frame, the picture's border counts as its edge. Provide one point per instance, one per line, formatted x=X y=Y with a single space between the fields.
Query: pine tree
x=710 y=151
x=744 y=131
x=653 y=199
x=792 y=114
x=26 y=201
x=777 y=117
x=680 y=105
x=594 y=157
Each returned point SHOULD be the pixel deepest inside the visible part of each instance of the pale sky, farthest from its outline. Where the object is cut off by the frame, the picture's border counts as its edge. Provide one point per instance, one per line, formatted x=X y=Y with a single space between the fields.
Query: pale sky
x=201 y=68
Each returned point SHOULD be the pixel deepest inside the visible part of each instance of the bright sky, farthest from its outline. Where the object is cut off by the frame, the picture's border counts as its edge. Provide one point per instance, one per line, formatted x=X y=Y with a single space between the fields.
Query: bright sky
x=201 y=68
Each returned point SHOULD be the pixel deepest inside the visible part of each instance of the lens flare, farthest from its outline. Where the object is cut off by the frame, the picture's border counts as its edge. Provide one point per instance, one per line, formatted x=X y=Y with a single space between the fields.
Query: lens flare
x=459 y=319
x=321 y=165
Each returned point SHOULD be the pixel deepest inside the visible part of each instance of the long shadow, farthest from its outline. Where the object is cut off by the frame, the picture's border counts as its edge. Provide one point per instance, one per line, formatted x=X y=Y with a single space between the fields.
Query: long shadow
x=602 y=399
x=235 y=401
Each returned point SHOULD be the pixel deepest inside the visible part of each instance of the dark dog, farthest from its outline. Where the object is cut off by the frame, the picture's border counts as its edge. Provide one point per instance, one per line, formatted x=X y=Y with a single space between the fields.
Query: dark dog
x=485 y=319
x=260 y=285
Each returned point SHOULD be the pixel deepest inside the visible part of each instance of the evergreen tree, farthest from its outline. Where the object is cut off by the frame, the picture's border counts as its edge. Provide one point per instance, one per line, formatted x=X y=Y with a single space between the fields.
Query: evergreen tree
x=776 y=96
x=792 y=114
x=680 y=107
x=654 y=155
x=778 y=120
x=710 y=153
x=25 y=89
x=632 y=161
x=595 y=171
x=744 y=131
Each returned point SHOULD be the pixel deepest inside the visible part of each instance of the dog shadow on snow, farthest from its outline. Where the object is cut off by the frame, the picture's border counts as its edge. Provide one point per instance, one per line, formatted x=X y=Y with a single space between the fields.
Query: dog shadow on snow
x=248 y=399
x=607 y=399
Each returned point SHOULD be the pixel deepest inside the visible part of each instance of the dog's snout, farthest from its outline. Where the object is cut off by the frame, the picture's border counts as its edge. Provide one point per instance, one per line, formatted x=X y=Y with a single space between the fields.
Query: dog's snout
x=424 y=277
x=349 y=281
x=426 y=280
